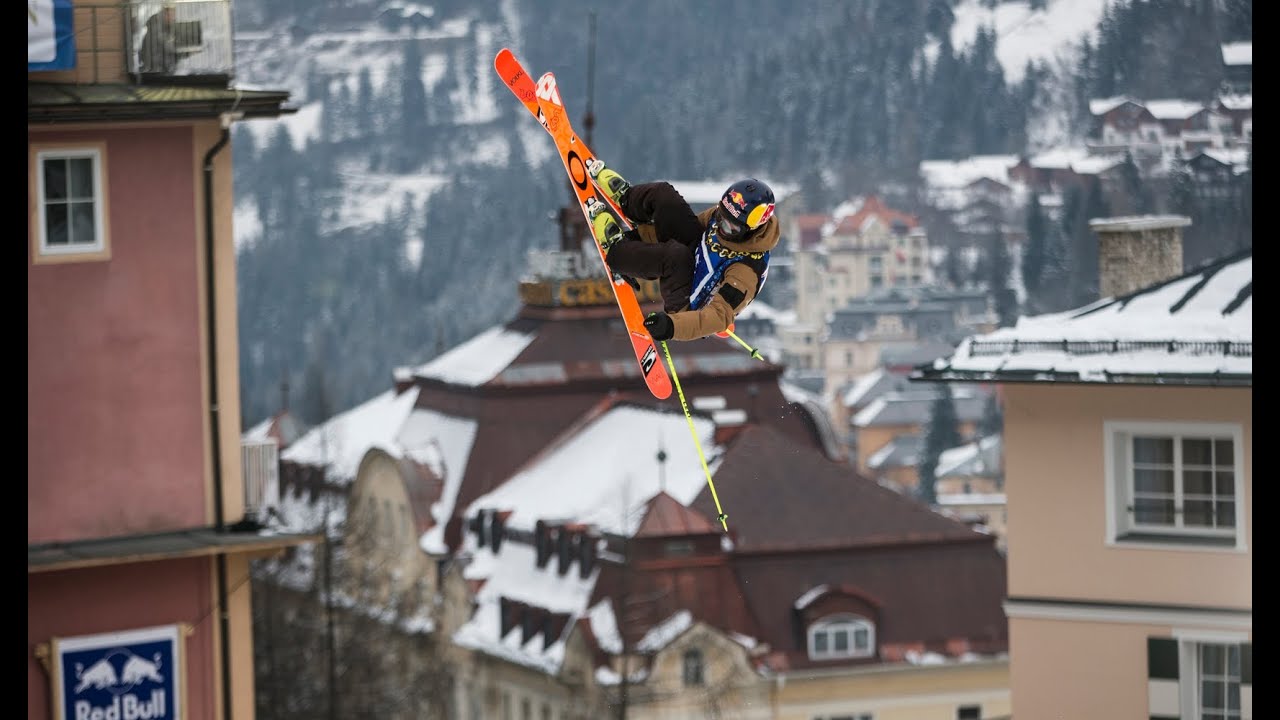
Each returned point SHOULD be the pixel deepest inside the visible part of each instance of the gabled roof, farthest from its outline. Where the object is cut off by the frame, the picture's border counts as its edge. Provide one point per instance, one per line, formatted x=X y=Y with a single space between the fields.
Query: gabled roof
x=872 y=385
x=1236 y=101
x=1173 y=109
x=665 y=517
x=1195 y=329
x=606 y=472
x=826 y=524
x=901 y=451
x=983 y=458
x=826 y=504
x=873 y=209
x=485 y=410
x=1102 y=106
x=914 y=407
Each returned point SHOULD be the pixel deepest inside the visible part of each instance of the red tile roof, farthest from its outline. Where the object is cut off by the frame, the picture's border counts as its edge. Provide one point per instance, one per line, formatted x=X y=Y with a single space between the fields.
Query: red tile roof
x=874 y=207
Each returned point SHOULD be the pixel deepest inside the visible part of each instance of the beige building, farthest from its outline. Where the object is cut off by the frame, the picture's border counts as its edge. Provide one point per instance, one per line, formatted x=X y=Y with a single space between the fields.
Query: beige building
x=970 y=486
x=1128 y=471
x=863 y=247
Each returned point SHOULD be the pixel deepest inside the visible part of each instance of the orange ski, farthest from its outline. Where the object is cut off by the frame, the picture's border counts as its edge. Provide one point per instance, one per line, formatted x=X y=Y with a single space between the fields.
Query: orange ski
x=542 y=100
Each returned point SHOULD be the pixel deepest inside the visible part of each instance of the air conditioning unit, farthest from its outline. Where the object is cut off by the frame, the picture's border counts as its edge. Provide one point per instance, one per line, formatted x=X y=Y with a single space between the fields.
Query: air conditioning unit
x=260 y=461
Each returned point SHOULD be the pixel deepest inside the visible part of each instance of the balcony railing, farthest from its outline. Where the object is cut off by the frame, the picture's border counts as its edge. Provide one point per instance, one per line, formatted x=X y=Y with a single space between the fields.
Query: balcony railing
x=192 y=45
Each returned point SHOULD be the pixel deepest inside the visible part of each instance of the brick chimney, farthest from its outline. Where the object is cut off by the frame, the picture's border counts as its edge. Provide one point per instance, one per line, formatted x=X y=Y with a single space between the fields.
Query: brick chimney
x=1137 y=251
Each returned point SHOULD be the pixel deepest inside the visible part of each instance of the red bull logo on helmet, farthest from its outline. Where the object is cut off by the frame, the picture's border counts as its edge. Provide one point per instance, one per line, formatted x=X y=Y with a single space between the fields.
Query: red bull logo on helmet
x=759 y=215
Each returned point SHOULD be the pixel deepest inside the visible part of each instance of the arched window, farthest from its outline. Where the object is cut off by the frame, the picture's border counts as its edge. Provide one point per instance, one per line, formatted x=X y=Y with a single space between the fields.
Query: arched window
x=841 y=636
x=693 y=667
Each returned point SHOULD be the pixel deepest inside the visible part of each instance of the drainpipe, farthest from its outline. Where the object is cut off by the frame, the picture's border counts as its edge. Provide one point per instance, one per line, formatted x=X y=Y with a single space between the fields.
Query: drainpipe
x=215 y=444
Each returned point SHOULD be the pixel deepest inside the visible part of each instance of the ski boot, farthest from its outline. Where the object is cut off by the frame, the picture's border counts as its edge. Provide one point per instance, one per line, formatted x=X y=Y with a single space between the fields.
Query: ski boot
x=609 y=181
x=604 y=226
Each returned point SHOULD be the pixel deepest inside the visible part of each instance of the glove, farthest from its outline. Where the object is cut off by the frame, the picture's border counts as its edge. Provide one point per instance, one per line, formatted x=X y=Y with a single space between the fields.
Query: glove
x=660 y=326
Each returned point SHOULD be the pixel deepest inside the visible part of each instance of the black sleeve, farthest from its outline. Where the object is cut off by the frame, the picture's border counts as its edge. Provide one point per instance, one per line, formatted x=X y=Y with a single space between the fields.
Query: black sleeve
x=659 y=203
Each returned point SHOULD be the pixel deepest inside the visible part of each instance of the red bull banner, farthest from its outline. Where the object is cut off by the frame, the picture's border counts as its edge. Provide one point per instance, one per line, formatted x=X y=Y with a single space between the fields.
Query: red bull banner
x=129 y=675
x=51 y=39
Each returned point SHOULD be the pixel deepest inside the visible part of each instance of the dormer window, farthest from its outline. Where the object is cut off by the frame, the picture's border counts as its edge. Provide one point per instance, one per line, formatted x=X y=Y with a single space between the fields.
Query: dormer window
x=841 y=636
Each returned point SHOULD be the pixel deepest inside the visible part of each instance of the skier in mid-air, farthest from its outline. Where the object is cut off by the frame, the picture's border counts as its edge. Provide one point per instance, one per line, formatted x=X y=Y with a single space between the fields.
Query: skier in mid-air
x=709 y=265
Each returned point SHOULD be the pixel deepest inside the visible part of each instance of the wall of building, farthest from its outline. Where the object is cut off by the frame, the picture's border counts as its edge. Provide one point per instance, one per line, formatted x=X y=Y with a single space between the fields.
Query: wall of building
x=1055 y=487
x=114 y=353
x=104 y=599
x=906 y=692
x=1098 y=670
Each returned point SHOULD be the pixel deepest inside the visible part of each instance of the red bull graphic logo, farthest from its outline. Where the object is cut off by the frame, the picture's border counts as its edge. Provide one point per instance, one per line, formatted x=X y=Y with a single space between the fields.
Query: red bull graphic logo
x=735 y=204
x=759 y=215
x=119 y=676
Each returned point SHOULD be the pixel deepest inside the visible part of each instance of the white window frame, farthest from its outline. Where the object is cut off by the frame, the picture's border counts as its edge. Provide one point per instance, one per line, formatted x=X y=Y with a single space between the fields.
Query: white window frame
x=100 y=248
x=829 y=625
x=1120 y=529
x=1189 y=644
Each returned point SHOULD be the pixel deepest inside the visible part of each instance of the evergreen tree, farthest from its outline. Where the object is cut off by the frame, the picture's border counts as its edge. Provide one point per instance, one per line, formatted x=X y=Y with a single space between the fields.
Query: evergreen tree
x=942 y=434
x=366 y=117
x=992 y=422
x=1034 y=250
x=997 y=267
x=1135 y=198
x=413 y=110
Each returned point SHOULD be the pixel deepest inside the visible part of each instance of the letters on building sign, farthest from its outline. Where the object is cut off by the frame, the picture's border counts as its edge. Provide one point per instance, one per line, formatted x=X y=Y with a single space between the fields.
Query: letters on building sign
x=575 y=293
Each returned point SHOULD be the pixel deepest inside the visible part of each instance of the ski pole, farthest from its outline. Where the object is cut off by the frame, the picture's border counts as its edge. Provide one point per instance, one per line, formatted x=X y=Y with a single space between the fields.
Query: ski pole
x=755 y=352
x=724 y=519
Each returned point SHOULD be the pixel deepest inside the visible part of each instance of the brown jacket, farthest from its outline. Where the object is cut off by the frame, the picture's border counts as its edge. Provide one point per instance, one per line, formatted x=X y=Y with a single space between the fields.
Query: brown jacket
x=717 y=315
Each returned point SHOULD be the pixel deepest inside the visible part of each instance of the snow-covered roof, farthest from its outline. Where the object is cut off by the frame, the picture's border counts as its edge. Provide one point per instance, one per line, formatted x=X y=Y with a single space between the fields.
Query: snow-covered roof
x=1057 y=158
x=959 y=173
x=971 y=499
x=341 y=442
x=970 y=459
x=513 y=574
x=477 y=360
x=1102 y=106
x=1194 y=328
x=604 y=626
x=760 y=309
x=868 y=386
x=913 y=407
x=1237 y=101
x=1095 y=164
x=902 y=451
x=1235 y=157
x=661 y=635
x=604 y=473
x=1173 y=109
x=810 y=595
x=1237 y=53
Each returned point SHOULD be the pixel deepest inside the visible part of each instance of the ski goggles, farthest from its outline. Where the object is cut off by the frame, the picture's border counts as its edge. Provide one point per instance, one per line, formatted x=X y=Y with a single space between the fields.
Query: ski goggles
x=726 y=226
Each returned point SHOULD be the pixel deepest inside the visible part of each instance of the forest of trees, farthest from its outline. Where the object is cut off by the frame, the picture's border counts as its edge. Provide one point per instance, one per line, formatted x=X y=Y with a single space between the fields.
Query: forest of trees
x=837 y=99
